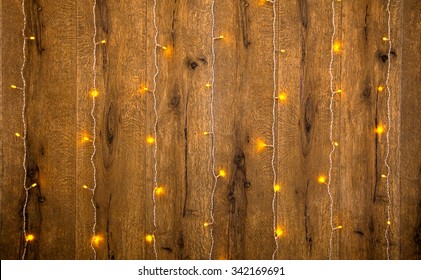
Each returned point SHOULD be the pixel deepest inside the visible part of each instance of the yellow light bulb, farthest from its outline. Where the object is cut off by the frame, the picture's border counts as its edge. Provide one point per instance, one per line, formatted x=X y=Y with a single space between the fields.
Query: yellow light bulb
x=339 y=91
x=17 y=134
x=336 y=47
x=336 y=144
x=220 y=37
x=379 y=129
x=389 y=223
x=339 y=227
x=34 y=185
x=208 y=85
x=29 y=237
x=145 y=88
x=380 y=88
x=14 y=86
x=149 y=238
x=205 y=224
x=159 y=191
x=96 y=239
x=150 y=140
x=277 y=187
x=282 y=97
x=385 y=39
x=85 y=187
x=206 y=133
x=283 y=51
x=261 y=145
x=384 y=176
x=94 y=93
x=32 y=38
x=322 y=179
x=103 y=41
x=279 y=232
x=222 y=173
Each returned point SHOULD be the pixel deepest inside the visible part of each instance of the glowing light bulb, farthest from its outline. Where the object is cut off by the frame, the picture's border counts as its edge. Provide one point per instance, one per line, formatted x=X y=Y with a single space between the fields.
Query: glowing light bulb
x=261 y=145
x=205 y=224
x=29 y=237
x=222 y=173
x=283 y=51
x=96 y=239
x=85 y=187
x=103 y=41
x=379 y=129
x=279 y=232
x=277 y=187
x=161 y=46
x=149 y=238
x=384 y=176
x=159 y=191
x=150 y=140
x=380 y=88
x=31 y=38
x=94 y=93
x=14 y=86
x=339 y=91
x=338 y=227
x=336 y=47
x=336 y=144
x=208 y=85
x=34 y=185
x=220 y=37
x=17 y=134
x=385 y=39
x=282 y=97
x=389 y=222
x=207 y=133
x=145 y=88
x=322 y=179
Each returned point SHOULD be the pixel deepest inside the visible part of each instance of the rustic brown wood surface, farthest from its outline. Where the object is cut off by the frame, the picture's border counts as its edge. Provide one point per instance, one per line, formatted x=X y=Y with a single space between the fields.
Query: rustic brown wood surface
x=59 y=77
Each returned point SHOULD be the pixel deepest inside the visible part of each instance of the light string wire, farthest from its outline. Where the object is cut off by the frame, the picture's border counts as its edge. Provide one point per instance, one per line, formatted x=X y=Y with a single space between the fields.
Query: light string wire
x=25 y=171
x=213 y=160
x=332 y=116
x=155 y=127
x=273 y=129
x=386 y=159
x=94 y=130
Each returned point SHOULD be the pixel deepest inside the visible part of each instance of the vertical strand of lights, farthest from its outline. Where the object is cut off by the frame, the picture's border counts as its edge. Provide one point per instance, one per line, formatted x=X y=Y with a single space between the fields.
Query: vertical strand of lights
x=25 y=171
x=213 y=139
x=274 y=98
x=386 y=159
x=155 y=127
x=332 y=117
x=94 y=94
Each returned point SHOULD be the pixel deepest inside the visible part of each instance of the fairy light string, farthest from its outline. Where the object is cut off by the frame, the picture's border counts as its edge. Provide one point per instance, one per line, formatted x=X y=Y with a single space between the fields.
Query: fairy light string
x=386 y=159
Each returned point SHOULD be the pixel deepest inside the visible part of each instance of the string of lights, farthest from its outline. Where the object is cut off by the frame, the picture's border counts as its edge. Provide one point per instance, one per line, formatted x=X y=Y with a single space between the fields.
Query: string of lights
x=386 y=159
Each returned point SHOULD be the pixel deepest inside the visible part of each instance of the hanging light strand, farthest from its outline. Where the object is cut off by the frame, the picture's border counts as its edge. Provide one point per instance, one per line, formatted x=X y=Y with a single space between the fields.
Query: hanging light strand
x=386 y=159
x=276 y=236
x=155 y=127
x=332 y=118
x=213 y=137
x=94 y=93
x=25 y=171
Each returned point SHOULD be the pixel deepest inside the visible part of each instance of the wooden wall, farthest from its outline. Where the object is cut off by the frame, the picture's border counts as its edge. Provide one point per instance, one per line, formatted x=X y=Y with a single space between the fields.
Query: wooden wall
x=59 y=76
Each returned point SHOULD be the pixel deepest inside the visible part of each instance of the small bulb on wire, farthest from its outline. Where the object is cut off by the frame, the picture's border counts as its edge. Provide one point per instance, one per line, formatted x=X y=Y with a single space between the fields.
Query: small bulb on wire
x=29 y=237
x=277 y=188
x=336 y=143
x=17 y=134
x=339 y=91
x=159 y=191
x=96 y=239
x=261 y=145
x=31 y=38
x=389 y=222
x=94 y=93
x=220 y=37
x=222 y=173
x=161 y=46
x=379 y=129
x=15 y=87
x=150 y=140
x=338 y=227
x=282 y=97
x=34 y=185
x=385 y=39
x=380 y=89
x=283 y=51
x=384 y=176
x=205 y=224
x=207 y=133
x=85 y=187
x=208 y=85
x=279 y=232
x=336 y=47
x=322 y=179
x=149 y=238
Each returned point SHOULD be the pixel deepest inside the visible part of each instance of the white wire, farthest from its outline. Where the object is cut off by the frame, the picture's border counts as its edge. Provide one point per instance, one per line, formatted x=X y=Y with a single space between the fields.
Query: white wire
x=273 y=128
x=332 y=116
x=215 y=177
x=94 y=131
x=386 y=160
x=25 y=171
x=155 y=177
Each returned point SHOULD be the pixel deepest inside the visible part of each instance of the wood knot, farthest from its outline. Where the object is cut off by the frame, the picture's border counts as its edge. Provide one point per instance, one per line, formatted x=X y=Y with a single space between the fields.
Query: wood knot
x=193 y=65
x=384 y=57
x=41 y=199
x=175 y=100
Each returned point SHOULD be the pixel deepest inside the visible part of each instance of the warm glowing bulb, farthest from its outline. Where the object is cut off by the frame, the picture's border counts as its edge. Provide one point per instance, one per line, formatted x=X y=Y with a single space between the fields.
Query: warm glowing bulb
x=222 y=173
x=32 y=38
x=322 y=179
x=14 y=86
x=17 y=134
x=282 y=97
x=161 y=46
x=339 y=227
x=103 y=41
x=207 y=133
x=29 y=237
x=336 y=47
x=145 y=88
x=219 y=37
x=96 y=239
x=336 y=144
x=339 y=91
x=379 y=129
x=380 y=88
x=34 y=185
x=159 y=191
x=385 y=39
x=150 y=140
x=277 y=187
x=149 y=238
x=94 y=93
x=389 y=223
x=208 y=85
x=283 y=51
x=279 y=232
x=205 y=224
x=85 y=186
x=384 y=176
x=261 y=145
